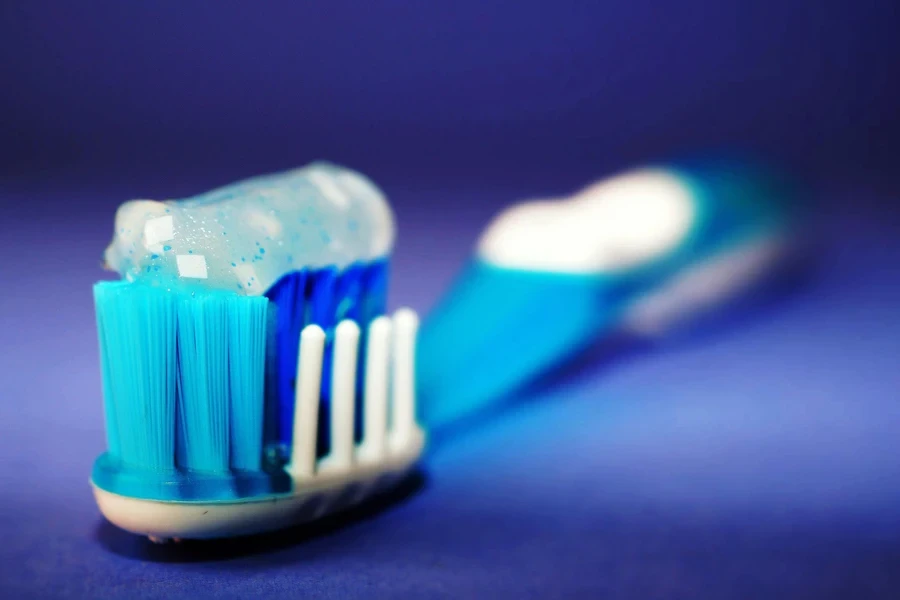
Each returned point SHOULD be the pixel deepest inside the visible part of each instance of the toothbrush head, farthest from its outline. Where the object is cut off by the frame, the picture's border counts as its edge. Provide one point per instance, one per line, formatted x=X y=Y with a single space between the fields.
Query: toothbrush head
x=251 y=378
x=352 y=472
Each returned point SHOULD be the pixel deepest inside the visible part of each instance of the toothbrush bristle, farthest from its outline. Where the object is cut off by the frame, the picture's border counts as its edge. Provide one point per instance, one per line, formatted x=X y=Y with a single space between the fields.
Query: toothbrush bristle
x=375 y=395
x=406 y=323
x=136 y=327
x=197 y=386
x=343 y=392
x=247 y=346
x=203 y=419
x=323 y=297
x=306 y=410
x=318 y=486
x=183 y=377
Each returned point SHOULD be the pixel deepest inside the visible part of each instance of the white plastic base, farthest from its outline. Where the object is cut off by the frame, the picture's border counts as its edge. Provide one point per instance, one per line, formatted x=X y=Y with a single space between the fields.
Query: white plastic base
x=328 y=492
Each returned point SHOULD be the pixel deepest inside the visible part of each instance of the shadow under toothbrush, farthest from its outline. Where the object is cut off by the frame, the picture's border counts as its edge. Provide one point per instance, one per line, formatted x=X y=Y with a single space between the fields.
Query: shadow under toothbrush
x=771 y=295
x=129 y=545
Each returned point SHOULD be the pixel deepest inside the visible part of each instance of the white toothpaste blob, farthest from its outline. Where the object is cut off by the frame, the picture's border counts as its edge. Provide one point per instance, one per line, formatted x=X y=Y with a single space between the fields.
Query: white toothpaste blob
x=612 y=225
x=246 y=236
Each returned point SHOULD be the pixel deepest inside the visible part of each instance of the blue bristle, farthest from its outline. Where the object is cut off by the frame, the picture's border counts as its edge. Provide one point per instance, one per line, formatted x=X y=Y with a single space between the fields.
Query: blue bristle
x=288 y=319
x=323 y=297
x=138 y=352
x=323 y=304
x=321 y=293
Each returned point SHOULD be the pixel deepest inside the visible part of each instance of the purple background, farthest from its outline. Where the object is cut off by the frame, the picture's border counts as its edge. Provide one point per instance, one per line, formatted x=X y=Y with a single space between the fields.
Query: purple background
x=758 y=461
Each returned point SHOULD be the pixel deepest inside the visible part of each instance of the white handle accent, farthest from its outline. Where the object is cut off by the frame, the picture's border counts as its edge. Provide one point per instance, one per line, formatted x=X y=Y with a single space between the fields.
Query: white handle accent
x=616 y=223
x=390 y=365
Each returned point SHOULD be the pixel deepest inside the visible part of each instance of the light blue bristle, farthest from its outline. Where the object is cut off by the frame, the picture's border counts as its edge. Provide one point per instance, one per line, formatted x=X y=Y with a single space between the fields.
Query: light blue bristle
x=182 y=377
x=203 y=390
x=247 y=352
x=109 y=409
x=137 y=340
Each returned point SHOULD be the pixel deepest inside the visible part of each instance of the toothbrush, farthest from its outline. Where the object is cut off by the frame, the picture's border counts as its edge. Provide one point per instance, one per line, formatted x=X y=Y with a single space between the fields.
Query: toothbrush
x=251 y=379
x=645 y=252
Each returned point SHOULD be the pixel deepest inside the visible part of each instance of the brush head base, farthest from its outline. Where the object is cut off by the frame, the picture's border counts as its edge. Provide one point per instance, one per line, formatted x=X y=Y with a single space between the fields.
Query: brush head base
x=325 y=493
x=178 y=485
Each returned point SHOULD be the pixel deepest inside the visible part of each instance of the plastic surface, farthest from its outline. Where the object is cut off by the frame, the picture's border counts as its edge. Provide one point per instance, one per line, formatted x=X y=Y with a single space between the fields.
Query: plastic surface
x=499 y=327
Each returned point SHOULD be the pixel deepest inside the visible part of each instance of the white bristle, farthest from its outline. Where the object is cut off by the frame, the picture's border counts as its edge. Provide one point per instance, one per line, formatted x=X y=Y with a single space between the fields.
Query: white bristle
x=388 y=396
x=404 y=411
x=375 y=395
x=343 y=392
x=306 y=394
